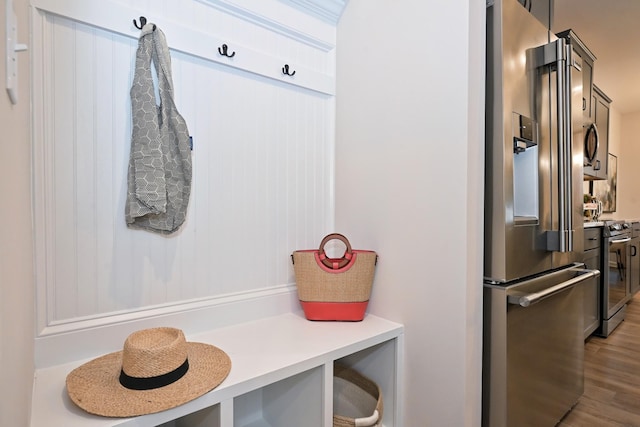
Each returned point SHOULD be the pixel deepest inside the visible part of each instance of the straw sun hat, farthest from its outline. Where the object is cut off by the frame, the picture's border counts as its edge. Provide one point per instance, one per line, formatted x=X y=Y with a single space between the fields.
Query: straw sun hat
x=156 y=370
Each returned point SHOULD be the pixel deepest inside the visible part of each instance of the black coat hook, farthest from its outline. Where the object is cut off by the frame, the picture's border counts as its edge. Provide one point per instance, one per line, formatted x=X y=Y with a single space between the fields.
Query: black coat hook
x=285 y=70
x=143 y=22
x=224 y=52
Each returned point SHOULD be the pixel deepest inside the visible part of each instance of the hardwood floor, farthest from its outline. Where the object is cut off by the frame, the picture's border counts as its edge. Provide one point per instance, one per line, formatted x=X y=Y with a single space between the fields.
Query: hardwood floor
x=612 y=377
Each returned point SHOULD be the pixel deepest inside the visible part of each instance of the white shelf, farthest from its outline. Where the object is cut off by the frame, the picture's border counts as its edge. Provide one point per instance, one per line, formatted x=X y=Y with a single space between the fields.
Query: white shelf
x=279 y=357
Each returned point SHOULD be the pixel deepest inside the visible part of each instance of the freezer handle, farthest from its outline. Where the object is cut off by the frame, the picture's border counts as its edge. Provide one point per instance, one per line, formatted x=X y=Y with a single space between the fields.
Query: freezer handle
x=528 y=299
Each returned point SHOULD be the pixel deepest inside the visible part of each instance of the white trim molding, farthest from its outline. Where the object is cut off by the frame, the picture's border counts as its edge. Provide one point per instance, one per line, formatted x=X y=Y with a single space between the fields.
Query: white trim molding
x=116 y=18
x=267 y=16
x=328 y=10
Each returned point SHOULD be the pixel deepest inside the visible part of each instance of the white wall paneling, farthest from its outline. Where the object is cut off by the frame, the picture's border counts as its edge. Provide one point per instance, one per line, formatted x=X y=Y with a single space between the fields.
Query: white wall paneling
x=198 y=27
x=263 y=162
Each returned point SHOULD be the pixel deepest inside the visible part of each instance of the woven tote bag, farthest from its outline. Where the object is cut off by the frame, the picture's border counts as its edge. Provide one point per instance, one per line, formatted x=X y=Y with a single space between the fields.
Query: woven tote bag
x=334 y=288
x=357 y=400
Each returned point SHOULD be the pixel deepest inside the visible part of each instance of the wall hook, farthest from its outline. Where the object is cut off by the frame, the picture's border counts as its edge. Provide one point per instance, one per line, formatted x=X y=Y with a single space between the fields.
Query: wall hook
x=224 y=52
x=285 y=70
x=13 y=47
x=143 y=22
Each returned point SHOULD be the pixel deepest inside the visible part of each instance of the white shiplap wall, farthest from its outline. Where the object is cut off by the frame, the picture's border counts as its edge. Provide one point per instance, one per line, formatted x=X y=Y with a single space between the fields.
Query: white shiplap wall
x=262 y=159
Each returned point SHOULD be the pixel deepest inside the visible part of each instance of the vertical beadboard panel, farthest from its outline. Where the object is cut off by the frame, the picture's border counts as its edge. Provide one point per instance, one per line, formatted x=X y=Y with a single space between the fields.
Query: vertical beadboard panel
x=120 y=289
x=105 y=183
x=86 y=191
x=261 y=176
x=63 y=171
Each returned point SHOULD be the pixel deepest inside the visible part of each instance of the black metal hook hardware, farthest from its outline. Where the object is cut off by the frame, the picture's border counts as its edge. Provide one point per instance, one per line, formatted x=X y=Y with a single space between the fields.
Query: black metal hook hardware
x=143 y=22
x=285 y=70
x=224 y=52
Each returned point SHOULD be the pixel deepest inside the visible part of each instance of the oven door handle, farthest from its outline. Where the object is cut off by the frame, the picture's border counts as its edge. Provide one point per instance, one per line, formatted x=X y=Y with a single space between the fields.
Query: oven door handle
x=625 y=240
x=528 y=299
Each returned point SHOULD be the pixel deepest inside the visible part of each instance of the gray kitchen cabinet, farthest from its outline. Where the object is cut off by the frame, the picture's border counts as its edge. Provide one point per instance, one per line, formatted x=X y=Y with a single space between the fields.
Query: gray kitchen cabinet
x=541 y=9
x=595 y=113
x=588 y=59
x=634 y=274
x=593 y=261
x=600 y=105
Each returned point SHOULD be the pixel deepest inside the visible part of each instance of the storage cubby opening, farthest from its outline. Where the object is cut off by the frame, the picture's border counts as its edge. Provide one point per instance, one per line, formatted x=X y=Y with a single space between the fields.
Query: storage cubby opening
x=207 y=417
x=294 y=401
x=378 y=363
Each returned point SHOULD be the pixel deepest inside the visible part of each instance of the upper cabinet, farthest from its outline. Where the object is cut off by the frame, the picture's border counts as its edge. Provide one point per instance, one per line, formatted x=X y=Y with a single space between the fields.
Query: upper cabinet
x=600 y=121
x=588 y=58
x=541 y=9
x=595 y=112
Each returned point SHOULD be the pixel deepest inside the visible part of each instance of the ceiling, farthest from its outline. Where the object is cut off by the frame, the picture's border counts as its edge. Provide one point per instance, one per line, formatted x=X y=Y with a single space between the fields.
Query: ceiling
x=611 y=30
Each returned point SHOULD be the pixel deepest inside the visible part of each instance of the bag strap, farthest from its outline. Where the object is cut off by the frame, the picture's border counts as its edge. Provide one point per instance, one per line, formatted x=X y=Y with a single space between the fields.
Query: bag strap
x=335 y=263
x=149 y=187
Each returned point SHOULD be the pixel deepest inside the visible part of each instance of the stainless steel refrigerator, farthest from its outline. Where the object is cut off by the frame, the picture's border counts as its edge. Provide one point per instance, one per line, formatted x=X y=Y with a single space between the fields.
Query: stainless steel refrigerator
x=533 y=304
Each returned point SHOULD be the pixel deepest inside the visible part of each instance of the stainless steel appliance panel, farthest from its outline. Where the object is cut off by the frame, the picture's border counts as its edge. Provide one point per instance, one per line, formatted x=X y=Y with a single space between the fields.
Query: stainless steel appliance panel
x=511 y=249
x=534 y=349
x=616 y=290
x=533 y=324
x=576 y=154
x=523 y=84
x=618 y=272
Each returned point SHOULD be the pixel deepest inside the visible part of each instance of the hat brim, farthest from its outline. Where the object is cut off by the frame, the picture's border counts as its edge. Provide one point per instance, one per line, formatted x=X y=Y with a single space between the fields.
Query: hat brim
x=95 y=386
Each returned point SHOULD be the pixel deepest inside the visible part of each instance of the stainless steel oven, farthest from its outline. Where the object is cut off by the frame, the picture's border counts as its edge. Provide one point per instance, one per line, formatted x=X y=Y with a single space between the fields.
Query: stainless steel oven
x=617 y=269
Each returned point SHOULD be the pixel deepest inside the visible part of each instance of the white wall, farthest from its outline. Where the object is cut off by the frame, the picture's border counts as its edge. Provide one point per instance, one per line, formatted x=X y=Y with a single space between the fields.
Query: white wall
x=628 y=152
x=16 y=250
x=616 y=140
x=623 y=143
x=409 y=184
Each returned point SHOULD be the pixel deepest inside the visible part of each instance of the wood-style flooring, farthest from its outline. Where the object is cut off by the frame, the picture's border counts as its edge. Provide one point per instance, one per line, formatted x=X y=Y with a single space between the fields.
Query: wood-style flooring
x=612 y=377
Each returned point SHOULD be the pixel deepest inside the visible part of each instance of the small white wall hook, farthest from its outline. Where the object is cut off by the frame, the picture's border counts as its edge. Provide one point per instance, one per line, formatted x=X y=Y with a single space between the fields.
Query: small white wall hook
x=13 y=47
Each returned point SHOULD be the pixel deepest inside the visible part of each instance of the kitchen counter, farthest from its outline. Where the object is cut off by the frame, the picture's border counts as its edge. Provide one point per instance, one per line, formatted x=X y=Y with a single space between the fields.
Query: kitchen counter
x=593 y=224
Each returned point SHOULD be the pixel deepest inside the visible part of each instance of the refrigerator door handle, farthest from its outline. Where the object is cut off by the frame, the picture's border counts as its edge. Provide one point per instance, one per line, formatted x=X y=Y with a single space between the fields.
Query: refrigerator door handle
x=558 y=55
x=566 y=147
x=525 y=300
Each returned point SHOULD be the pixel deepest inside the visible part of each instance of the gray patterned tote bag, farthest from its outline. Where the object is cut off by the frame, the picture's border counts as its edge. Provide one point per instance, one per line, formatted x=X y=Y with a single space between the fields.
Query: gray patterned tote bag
x=159 y=176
